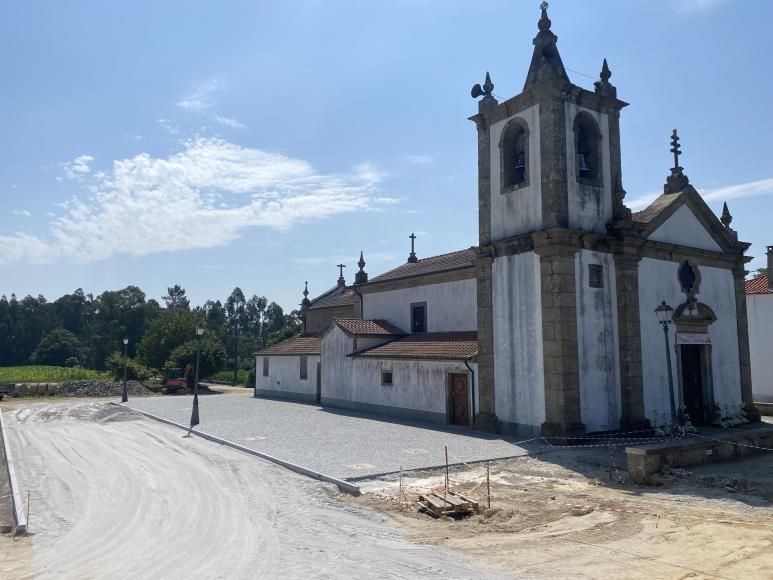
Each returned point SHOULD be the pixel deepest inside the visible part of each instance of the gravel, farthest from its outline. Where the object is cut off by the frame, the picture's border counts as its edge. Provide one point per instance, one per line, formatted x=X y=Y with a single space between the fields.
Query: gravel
x=93 y=388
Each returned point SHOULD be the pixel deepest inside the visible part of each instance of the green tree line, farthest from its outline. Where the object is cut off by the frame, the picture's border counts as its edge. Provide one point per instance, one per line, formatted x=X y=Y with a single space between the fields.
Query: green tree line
x=80 y=329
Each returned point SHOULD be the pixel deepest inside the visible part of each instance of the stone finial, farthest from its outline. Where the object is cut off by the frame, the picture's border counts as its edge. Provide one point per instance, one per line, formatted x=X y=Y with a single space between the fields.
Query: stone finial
x=412 y=256
x=544 y=22
x=546 y=63
x=603 y=86
x=726 y=218
x=488 y=101
x=341 y=281
x=677 y=181
x=362 y=276
x=305 y=304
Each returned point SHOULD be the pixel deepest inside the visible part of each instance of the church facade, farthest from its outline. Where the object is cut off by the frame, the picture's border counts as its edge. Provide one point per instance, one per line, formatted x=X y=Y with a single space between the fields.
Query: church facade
x=548 y=325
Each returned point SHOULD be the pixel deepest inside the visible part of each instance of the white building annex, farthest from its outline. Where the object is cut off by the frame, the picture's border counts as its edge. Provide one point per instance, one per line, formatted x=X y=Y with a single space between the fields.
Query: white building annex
x=759 y=304
x=548 y=325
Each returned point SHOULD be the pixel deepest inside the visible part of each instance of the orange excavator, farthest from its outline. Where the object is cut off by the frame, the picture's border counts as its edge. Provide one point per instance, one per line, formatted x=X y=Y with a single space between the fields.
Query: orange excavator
x=179 y=380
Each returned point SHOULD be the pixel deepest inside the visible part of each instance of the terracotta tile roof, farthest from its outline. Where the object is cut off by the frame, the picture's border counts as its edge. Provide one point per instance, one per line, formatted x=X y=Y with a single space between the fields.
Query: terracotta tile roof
x=295 y=346
x=430 y=346
x=360 y=327
x=432 y=265
x=758 y=285
x=346 y=298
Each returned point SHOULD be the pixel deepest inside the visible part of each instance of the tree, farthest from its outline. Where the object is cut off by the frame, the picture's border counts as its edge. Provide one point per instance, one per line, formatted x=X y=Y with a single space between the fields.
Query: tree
x=175 y=298
x=215 y=315
x=759 y=273
x=235 y=309
x=256 y=310
x=171 y=329
x=212 y=357
x=274 y=318
x=57 y=347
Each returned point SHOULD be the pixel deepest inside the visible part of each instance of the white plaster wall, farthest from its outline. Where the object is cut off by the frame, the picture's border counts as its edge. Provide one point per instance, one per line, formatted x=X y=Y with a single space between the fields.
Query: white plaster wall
x=417 y=385
x=451 y=306
x=759 y=308
x=598 y=344
x=336 y=366
x=590 y=208
x=517 y=211
x=683 y=228
x=658 y=282
x=518 y=357
x=284 y=374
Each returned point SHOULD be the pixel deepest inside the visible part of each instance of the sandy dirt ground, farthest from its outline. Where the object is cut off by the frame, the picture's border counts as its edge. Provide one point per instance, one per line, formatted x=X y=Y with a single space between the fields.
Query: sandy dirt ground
x=114 y=495
x=559 y=516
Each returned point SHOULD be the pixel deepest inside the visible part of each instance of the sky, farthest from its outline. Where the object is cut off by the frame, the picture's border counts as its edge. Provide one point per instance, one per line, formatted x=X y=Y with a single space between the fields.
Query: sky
x=259 y=144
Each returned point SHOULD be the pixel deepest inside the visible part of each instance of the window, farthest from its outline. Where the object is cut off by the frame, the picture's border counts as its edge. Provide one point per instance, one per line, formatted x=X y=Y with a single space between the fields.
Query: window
x=514 y=161
x=419 y=317
x=386 y=378
x=595 y=275
x=304 y=368
x=265 y=366
x=587 y=148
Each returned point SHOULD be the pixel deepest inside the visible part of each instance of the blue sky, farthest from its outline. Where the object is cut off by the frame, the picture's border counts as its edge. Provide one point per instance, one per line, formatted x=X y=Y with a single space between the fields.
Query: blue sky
x=259 y=144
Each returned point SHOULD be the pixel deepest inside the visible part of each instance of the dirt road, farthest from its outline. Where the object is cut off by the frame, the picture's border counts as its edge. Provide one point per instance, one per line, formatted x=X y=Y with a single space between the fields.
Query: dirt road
x=114 y=495
x=558 y=517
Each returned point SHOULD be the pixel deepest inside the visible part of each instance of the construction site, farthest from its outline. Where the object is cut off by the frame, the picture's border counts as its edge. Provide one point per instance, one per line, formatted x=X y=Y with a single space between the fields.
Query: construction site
x=554 y=508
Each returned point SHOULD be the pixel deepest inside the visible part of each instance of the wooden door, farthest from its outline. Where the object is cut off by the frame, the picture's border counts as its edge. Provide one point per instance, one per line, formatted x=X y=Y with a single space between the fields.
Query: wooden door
x=460 y=400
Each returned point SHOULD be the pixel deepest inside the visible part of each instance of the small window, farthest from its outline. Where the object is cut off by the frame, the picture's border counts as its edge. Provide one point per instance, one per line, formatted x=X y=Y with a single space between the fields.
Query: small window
x=514 y=156
x=265 y=366
x=386 y=378
x=595 y=275
x=304 y=368
x=419 y=317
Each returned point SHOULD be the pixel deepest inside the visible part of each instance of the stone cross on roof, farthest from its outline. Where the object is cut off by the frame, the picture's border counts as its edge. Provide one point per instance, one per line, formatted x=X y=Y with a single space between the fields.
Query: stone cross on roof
x=412 y=257
x=677 y=181
x=675 y=148
x=341 y=281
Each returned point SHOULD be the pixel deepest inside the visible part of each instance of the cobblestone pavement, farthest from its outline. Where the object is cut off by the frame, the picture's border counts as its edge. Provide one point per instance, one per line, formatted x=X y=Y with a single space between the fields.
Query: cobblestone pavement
x=335 y=442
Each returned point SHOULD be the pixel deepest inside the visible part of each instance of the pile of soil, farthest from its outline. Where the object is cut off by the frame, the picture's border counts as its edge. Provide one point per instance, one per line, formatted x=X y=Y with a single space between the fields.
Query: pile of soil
x=92 y=388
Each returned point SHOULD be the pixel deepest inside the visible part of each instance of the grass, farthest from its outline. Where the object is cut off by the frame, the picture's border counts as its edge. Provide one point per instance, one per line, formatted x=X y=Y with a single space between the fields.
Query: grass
x=228 y=377
x=47 y=374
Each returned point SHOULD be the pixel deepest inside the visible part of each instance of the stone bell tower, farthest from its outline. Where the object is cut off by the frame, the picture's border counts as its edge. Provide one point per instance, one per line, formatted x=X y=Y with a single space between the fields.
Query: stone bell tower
x=549 y=173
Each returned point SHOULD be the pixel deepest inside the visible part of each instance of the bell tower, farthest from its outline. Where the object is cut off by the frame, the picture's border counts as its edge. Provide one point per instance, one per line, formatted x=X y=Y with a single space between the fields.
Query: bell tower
x=549 y=172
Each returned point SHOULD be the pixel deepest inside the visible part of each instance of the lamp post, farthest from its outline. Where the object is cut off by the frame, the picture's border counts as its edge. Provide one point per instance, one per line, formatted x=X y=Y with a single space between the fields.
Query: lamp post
x=125 y=396
x=195 y=411
x=665 y=315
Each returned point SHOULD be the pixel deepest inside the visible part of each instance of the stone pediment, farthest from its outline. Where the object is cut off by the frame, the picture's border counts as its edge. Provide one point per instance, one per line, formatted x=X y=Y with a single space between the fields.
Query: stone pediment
x=685 y=219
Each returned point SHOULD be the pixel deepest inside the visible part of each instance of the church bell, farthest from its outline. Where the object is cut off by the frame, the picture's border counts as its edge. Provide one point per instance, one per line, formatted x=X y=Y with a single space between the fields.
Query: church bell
x=582 y=164
x=520 y=161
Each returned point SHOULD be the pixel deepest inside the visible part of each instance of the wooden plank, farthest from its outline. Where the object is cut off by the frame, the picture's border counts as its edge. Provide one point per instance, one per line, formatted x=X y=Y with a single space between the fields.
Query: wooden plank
x=455 y=501
x=436 y=502
x=473 y=504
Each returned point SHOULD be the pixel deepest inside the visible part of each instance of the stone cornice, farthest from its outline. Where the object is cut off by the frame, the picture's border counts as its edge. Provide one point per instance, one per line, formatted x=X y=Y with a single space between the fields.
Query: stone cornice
x=554 y=89
x=453 y=275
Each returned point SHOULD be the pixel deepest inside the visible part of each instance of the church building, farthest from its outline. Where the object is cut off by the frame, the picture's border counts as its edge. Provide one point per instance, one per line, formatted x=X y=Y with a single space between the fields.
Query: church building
x=549 y=325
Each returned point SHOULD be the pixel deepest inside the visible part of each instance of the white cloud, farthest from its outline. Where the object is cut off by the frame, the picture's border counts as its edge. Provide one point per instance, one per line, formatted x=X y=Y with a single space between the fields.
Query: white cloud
x=168 y=126
x=78 y=168
x=752 y=188
x=685 y=7
x=418 y=159
x=203 y=196
x=229 y=122
x=21 y=212
x=199 y=100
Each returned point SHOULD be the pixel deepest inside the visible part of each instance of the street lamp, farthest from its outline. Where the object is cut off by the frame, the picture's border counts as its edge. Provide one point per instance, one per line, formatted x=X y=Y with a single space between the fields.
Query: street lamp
x=125 y=397
x=195 y=411
x=665 y=315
